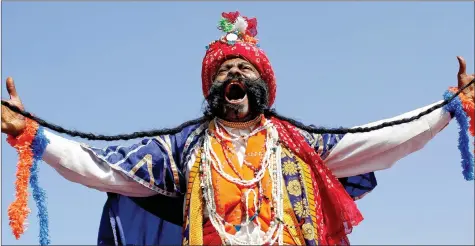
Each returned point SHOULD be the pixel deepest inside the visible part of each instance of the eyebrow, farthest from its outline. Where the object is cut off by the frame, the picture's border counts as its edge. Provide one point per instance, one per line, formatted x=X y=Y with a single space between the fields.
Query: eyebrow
x=241 y=63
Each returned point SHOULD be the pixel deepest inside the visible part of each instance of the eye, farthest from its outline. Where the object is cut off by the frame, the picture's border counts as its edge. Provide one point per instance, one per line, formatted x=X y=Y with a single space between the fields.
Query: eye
x=220 y=71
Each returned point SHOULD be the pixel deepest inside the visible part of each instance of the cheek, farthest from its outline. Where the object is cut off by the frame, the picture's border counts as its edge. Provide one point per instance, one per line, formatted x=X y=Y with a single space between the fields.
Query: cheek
x=252 y=75
x=220 y=77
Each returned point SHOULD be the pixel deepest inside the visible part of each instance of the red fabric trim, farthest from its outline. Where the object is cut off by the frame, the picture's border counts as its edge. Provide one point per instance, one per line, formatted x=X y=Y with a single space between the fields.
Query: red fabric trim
x=337 y=213
x=210 y=235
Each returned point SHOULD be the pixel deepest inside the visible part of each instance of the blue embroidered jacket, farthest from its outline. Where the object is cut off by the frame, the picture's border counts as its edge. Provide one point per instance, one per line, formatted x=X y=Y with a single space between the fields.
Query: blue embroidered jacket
x=160 y=164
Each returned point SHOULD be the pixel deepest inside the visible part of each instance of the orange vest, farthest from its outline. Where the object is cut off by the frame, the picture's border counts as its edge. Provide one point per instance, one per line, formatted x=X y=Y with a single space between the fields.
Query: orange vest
x=229 y=196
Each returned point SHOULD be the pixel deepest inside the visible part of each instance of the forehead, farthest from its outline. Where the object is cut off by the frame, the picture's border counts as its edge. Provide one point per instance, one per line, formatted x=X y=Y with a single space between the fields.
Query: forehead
x=235 y=61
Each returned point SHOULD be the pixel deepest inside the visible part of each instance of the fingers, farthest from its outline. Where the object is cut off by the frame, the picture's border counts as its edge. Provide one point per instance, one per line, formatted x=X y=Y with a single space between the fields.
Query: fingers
x=3 y=106
x=11 y=88
x=5 y=109
x=462 y=65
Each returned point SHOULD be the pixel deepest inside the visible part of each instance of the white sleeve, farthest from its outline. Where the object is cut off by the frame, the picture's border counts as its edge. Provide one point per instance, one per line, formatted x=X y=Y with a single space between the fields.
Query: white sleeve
x=75 y=164
x=377 y=150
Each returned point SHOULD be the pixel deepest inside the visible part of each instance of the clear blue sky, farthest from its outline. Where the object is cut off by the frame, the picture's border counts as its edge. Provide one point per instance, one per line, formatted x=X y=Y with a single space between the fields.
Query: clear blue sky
x=116 y=67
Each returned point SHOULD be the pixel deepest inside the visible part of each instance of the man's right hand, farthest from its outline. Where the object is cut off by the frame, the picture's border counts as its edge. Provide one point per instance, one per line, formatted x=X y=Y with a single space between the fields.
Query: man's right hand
x=12 y=123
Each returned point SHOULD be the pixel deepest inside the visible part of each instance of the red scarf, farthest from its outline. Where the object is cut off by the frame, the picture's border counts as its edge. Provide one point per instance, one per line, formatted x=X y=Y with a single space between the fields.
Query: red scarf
x=337 y=213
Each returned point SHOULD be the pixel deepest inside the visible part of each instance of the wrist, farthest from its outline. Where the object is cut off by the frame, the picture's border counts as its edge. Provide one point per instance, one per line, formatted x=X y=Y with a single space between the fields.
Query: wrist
x=16 y=133
x=468 y=106
x=24 y=136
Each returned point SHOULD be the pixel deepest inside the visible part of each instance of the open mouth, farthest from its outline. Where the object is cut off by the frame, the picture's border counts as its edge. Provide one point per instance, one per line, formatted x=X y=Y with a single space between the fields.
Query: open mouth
x=235 y=92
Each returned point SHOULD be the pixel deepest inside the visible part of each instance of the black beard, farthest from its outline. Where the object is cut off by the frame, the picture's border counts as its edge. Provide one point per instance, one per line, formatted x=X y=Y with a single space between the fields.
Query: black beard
x=257 y=94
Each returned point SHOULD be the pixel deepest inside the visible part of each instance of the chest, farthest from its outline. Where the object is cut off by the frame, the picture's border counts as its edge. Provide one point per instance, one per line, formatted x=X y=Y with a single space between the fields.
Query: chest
x=295 y=186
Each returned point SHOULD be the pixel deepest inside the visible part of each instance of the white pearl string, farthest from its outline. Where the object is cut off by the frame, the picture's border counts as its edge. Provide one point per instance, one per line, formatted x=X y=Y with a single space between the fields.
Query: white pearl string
x=270 y=162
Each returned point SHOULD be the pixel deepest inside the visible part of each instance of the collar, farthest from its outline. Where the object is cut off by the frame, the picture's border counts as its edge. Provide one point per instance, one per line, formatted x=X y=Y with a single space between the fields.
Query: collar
x=241 y=125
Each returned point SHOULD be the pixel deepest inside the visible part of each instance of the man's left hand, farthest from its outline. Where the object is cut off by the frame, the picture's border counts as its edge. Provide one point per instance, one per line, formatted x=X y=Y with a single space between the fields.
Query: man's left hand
x=464 y=78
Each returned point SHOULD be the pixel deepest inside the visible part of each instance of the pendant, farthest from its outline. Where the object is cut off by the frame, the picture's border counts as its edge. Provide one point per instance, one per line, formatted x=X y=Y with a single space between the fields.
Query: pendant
x=237 y=227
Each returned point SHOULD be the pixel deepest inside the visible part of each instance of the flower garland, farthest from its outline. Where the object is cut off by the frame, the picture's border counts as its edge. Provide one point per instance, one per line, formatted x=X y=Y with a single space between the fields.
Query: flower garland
x=39 y=194
x=30 y=145
x=461 y=106
x=468 y=106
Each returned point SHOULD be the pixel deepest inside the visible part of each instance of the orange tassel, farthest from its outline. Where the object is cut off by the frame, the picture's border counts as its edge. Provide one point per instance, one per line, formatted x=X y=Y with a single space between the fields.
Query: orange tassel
x=469 y=108
x=18 y=211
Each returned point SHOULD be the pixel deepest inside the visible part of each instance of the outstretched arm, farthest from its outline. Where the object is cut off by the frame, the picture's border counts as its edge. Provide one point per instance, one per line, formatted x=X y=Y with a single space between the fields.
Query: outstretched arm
x=354 y=154
x=152 y=166
x=354 y=158
x=72 y=161
x=377 y=150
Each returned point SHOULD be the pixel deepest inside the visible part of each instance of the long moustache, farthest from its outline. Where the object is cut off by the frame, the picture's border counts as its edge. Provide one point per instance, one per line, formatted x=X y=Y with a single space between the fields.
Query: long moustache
x=246 y=83
x=256 y=89
x=238 y=78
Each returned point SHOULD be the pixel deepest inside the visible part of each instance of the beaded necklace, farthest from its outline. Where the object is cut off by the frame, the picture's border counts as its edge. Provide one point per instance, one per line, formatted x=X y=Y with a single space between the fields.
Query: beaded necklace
x=269 y=162
x=227 y=150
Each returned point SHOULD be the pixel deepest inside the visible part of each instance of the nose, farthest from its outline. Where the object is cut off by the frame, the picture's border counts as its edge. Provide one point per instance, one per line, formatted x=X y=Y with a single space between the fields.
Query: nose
x=235 y=71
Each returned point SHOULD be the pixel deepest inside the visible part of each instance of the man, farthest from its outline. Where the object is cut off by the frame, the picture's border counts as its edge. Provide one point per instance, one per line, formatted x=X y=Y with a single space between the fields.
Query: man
x=244 y=176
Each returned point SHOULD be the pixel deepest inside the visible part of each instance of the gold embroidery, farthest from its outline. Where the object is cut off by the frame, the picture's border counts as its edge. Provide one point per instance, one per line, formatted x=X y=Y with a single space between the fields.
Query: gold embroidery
x=289 y=168
x=294 y=188
x=309 y=191
x=308 y=232
x=308 y=188
x=284 y=153
x=320 y=144
x=301 y=209
x=171 y=158
x=185 y=242
x=196 y=209
x=241 y=125
x=147 y=159
x=290 y=219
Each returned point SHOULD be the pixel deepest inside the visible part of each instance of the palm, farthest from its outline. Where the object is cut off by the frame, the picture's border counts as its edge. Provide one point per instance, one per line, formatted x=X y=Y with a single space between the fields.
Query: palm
x=12 y=123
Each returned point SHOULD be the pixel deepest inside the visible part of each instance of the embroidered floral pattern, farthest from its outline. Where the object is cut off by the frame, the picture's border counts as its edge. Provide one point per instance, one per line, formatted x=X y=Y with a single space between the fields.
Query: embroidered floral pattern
x=298 y=196
x=308 y=231
x=294 y=188
x=289 y=168
x=301 y=209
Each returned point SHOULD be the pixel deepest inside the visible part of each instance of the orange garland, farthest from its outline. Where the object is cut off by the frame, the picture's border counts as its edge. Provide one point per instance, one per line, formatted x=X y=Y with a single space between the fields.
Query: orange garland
x=469 y=108
x=18 y=211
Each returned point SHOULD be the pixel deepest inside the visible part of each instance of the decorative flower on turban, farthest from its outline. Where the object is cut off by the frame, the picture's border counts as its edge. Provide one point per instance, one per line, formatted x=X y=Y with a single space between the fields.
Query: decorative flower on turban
x=240 y=41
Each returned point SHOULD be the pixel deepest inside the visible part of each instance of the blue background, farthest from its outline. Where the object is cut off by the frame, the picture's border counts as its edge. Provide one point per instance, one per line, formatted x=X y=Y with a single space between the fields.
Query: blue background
x=116 y=67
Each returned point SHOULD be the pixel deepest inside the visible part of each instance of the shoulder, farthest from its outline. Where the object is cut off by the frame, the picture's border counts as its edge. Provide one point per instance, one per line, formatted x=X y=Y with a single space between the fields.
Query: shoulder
x=309 y=137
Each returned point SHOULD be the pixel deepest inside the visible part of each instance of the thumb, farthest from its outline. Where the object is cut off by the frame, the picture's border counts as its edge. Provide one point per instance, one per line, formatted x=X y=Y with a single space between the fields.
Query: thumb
x=462 y=65
x=11 y=88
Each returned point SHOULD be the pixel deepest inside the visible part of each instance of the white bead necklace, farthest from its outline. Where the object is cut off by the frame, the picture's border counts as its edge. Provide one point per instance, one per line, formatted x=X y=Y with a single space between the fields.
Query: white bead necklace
x=271 y=163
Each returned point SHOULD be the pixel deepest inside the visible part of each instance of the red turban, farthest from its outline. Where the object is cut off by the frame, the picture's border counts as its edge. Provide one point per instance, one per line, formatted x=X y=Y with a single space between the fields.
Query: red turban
x=239 y=41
